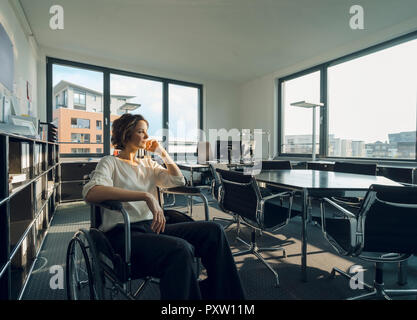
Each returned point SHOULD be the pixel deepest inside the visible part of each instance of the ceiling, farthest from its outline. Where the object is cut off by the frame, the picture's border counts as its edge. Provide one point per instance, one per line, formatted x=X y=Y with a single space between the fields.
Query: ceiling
x=233 y=40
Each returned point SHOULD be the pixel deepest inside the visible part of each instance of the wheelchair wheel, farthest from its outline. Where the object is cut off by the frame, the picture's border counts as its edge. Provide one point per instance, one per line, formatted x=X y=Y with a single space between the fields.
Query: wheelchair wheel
x=84 y=278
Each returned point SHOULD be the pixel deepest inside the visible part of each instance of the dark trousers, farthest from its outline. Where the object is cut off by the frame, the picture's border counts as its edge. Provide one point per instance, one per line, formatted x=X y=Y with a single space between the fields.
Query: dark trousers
x=170 y=256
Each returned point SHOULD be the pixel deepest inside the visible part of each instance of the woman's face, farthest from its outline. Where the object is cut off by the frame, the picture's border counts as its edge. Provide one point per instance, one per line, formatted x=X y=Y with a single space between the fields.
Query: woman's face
x=139 y=135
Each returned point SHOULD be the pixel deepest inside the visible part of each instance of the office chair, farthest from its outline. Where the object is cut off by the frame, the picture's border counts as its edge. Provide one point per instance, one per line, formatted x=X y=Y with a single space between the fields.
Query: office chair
x=386 y=225
x=240 y=195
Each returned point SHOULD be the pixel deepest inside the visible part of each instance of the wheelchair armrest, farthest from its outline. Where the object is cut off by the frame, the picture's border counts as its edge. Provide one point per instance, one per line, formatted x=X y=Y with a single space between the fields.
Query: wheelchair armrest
x=109 y=204
x=183 y=190
x=117 y=206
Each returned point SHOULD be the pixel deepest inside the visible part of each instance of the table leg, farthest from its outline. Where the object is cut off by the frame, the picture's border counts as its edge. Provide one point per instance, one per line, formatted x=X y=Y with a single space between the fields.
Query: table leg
x=190 y=199
x=304 y=237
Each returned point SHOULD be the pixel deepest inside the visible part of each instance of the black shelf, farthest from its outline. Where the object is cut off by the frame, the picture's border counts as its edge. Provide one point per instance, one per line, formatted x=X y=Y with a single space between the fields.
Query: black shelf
x=26 y=207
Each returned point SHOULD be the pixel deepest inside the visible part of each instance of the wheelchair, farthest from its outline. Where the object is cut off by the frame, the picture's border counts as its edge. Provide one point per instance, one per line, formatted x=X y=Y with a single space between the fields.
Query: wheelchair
x=94 y=271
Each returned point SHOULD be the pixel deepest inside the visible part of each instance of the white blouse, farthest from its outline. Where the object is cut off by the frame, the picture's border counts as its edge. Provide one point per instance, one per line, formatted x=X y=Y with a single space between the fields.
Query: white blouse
x=146 y=176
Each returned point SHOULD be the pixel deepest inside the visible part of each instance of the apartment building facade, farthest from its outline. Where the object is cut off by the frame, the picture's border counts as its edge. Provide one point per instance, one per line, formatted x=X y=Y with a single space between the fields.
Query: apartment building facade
x=78 y=114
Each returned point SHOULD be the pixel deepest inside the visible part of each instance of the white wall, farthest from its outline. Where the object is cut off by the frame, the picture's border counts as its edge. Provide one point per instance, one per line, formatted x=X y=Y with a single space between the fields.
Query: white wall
x=258 y=97
x=220 y=98
x=25 y=58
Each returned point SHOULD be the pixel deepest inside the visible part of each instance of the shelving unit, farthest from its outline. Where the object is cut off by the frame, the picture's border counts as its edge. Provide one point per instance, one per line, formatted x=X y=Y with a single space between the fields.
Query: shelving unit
x=26 y=207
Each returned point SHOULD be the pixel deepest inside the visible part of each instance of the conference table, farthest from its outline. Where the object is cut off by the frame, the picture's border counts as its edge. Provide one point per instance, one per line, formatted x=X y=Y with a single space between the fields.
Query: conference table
x=315 y=183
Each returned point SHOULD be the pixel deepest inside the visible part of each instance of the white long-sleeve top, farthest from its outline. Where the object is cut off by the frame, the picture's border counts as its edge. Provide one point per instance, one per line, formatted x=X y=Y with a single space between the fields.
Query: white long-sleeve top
x=146 y=176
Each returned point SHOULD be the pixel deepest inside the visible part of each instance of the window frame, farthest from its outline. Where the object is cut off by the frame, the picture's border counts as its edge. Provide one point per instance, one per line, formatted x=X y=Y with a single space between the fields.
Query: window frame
x=106 y=71
x=323 y=114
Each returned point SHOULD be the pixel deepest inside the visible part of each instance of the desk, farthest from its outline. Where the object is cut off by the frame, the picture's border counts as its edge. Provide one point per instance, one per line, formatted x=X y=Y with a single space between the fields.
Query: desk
x=319 y=184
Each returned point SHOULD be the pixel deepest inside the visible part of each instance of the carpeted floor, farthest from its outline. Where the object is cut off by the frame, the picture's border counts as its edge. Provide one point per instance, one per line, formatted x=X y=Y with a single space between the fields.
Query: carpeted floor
x=258 y=281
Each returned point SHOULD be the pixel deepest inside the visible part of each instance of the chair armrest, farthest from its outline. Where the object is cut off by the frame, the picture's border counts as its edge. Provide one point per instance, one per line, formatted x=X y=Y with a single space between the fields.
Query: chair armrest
x=118 y=206
x=190 y=191
x=285 y=194
x=109 y=204
x=346 y=212
x=183 y=190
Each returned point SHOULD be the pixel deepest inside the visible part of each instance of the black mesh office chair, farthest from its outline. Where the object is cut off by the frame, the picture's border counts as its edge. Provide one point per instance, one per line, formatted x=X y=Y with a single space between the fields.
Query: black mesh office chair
x=386 y=225
x=240 y=195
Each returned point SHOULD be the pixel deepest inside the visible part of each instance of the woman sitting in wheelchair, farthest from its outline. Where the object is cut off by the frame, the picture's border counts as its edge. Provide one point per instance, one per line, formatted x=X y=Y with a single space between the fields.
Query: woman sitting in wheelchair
x=164 y=251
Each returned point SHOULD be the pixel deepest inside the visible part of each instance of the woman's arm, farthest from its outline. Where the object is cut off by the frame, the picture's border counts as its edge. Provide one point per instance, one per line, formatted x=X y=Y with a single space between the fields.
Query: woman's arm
x=99 y=193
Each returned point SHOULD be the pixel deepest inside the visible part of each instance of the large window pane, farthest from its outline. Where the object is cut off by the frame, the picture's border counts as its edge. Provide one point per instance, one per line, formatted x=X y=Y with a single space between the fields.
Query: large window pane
x=183 y=118
x=75 y=110
x=297 y=121
x=137 y=96
x=372 y=104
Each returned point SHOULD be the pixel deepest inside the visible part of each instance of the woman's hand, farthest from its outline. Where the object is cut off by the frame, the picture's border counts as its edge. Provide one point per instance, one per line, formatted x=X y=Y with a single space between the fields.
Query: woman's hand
x=158 y=223
x=154 y=146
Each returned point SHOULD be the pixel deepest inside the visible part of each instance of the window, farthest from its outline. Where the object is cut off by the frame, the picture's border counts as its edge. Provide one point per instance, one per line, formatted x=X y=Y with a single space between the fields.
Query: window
x=370 y=105
x=183 y=118
x=99 y=150
x=298 y=122
x=79 y=97
x=148 y=95
x=72 y=84
x=137 y=96
x=80 y=137
x=80 y=123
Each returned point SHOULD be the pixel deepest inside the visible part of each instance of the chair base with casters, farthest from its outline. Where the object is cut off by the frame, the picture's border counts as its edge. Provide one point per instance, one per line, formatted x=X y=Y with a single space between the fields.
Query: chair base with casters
x=95 y=271
x=377 y=289
x=255 y=250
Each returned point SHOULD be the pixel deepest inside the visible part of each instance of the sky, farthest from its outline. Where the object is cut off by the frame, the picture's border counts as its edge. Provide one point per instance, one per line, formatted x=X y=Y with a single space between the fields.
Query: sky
x=368 y=97
x=183 y=101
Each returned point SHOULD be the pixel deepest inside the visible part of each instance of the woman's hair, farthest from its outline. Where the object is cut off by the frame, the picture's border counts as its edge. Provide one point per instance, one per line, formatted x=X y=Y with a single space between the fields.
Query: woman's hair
x=123 y=127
